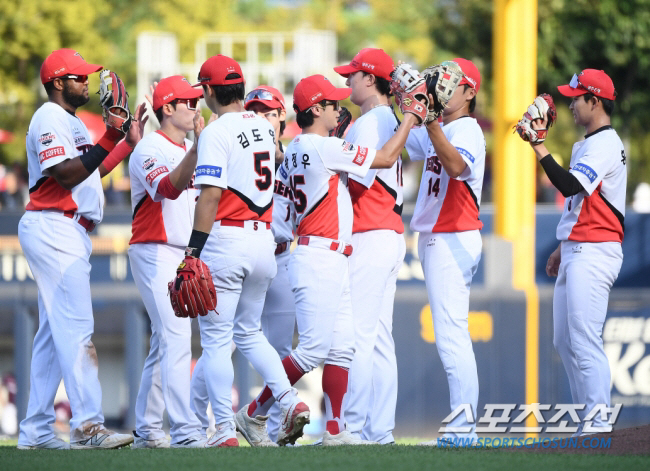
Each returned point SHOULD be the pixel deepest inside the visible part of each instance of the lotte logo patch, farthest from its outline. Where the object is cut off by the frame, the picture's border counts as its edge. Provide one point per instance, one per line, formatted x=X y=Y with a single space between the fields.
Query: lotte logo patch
x=360 y=158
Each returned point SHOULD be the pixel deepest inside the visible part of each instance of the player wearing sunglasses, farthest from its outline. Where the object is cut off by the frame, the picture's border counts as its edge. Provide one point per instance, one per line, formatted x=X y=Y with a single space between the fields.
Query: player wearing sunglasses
x=163 y=199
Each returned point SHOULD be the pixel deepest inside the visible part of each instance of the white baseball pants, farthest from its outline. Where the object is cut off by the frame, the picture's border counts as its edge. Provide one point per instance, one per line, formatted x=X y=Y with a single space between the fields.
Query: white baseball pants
x=321 y=287
x=372 y=388
x=587 y=273
x=58 y=250
x=242 y=264
x=166 y=376
x=449 y=261
x=278 y=324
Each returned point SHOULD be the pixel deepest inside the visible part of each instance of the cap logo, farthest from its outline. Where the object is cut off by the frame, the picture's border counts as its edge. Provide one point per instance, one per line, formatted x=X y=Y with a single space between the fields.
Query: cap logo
x=57 y=71
x=471 y=81
x=368 y=66
x=354 y=64
x=168 y=95
x=317 y=95
x=593 y=89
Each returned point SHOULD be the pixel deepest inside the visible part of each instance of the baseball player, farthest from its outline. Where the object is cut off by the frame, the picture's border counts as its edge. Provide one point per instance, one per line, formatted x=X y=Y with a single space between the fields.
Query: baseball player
x=66 y=202
x=446 y=216
x=279 y=313
x=232 y=236
x=163 y=199
x=589 y=257
x=379 y=249
x=316 y=169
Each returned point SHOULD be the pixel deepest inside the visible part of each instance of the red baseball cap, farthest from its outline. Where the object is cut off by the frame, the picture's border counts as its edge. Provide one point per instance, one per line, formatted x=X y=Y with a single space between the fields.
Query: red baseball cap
x=65 y=62
x=371 y=60
x=315 y=88
x=266 y=95
x=215 y=70
x=173 y=88
x=592 y=81
x=472 y=75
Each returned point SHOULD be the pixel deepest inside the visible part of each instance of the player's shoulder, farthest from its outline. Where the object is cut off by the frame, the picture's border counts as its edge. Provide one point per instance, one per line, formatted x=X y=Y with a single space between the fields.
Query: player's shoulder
x=49 y=113
x=606 y=136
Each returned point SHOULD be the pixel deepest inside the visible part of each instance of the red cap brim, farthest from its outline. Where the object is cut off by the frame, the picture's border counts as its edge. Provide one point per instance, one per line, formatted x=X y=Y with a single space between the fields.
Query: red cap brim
x=338 y=94
x=189 y=94
x=345 y=70
x=86 y=69
x=566 y=90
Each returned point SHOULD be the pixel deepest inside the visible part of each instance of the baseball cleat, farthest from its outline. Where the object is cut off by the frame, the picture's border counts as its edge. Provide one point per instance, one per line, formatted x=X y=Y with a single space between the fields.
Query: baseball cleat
x=294 y=419
x=225 y=436
x=52 y=444
x=141 y=442
x=196 y=441
x=344 y=438
x=253 y=429
x=102 y=438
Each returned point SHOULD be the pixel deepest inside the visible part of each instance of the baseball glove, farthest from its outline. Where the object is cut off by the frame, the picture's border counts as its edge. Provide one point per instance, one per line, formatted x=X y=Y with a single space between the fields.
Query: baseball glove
x=345 y=117
x=442 y=81
x=542 y=107
x=114 y=101
x=410 y=91
x=192 y=292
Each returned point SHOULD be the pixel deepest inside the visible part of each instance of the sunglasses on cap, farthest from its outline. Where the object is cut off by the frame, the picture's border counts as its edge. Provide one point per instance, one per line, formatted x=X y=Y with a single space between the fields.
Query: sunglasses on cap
x=191 y=103
x=260 y=94
x=575 y=82
x=76 y=78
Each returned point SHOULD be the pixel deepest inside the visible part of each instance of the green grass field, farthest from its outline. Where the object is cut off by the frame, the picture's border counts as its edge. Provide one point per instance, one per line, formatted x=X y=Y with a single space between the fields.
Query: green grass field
x=373 y=458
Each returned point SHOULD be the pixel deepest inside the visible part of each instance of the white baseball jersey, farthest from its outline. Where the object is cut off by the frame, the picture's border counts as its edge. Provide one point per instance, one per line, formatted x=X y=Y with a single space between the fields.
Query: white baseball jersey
x=54 y=136
x=377 y=199
x=283 y=217
x=236 y=153
x=156 y=218
x=449 y=204
x=596 y=214
x=316 y=168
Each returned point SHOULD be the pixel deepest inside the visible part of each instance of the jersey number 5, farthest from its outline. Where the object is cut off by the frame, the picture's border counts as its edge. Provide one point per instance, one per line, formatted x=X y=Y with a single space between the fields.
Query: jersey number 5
x=263 y=183
x=299 y=196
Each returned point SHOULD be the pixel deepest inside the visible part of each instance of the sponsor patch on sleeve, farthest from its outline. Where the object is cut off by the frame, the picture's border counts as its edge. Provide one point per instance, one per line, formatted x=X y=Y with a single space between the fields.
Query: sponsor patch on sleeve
x=46 y=138
x=208 y=170
x=586 y=170
x=360 y=158
x=463 y=152
x=149 y=163
x=283 y=172
x=49 y=153
x=151 y=176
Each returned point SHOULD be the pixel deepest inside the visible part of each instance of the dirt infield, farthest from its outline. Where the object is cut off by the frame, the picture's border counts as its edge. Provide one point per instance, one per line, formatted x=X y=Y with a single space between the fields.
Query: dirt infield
x=627 y=441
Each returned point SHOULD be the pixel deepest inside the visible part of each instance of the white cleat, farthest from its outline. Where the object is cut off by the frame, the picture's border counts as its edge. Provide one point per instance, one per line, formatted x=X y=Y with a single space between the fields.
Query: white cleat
x=344 y=438
x=196 y=441
x=142 y=443
x=52 y=444
x=253 y=429
x=101 y=438
x=225 y=436
x=294 y=418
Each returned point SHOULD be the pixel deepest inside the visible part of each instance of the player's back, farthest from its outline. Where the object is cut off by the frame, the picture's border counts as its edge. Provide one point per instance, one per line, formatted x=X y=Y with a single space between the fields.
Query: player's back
x=316 y=168
x=235 y=153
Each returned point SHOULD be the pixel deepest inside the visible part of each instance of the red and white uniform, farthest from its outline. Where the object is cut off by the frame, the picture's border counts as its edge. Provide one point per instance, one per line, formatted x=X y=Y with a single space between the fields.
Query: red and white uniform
x=155 y=218
x=161 y=229
x=279 y=314
x=447 y=217
x=591 y=233
x=596 y=215
x=379 y=249
x=446 y=204
x=54 y=136
x=316 y=169
x=236 y=153
x=58 y=249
